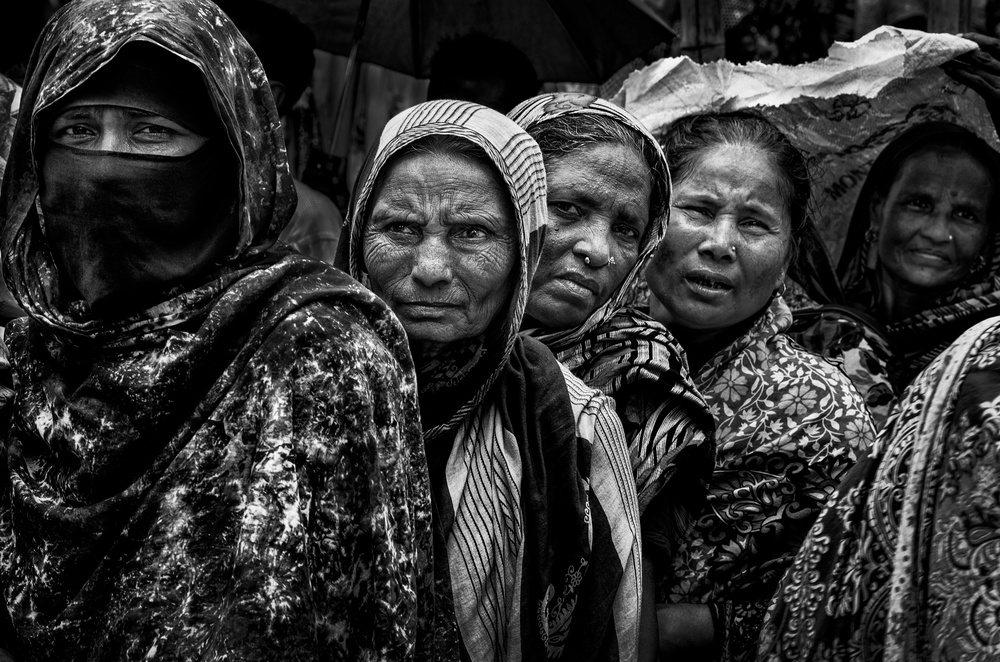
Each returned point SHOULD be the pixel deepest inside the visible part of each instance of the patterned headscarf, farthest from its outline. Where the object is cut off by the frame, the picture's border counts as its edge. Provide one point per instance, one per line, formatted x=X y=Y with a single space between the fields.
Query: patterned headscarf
x=82 y=39
x=517 y=158
x=633 y=358
x=919 y=338
x=550 y=106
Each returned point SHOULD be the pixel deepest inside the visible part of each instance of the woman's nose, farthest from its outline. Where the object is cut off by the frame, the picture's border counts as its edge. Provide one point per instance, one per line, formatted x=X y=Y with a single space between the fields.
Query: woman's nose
x=432 y=262
x=593 y=243
x=938 y=226
x=720 y=239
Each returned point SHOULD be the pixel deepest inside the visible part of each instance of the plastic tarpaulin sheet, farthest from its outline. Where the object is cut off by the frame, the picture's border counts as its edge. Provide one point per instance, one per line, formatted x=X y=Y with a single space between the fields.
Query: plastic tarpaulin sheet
x=840 y=111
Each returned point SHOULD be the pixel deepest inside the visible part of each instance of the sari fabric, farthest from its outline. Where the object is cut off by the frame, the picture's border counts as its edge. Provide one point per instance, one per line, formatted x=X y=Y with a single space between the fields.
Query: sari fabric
x=234 y=473
x=627 y=355
x=790 y=425
x=536 y=553
x=902 y=562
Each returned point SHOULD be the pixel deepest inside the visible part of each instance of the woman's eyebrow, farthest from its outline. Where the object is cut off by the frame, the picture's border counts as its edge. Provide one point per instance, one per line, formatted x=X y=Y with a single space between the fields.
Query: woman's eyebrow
x=75 y=113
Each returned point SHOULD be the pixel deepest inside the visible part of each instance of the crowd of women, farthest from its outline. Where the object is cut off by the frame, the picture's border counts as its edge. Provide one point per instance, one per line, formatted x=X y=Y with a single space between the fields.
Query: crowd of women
x=554 y=404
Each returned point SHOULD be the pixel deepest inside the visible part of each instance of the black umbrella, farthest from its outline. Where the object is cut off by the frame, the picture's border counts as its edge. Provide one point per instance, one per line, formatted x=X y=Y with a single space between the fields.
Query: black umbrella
x=581 y=41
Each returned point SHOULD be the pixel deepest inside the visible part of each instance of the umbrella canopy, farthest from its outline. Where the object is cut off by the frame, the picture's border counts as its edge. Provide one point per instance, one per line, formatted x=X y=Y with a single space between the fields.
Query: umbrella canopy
x=580 y=41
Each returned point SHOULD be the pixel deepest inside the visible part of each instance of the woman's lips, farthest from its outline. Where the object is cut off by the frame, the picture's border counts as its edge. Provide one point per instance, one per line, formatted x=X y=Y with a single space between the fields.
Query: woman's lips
x=580 y=284
x=709 y=282
x=424 y=308
x=929 y=256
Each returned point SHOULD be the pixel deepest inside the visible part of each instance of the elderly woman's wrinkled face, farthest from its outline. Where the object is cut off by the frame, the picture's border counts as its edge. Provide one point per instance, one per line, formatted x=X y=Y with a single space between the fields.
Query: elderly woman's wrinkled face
x=440 y=247
x=727 y=244
x=934 y=222
x=599 y=200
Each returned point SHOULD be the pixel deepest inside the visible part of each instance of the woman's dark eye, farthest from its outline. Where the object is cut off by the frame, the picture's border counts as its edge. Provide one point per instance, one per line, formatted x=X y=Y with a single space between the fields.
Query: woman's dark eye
x=471 y=232
x=75 y=131
x=696 y=211
x=918 y=204
x=155 y=129
x=566 y=208
x=400 y=227
x=626 y=230
x=966 y=215
x=755 y=224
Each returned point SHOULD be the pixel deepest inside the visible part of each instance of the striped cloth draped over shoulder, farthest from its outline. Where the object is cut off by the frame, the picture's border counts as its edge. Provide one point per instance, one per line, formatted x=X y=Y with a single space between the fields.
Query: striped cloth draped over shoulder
x=536 y=535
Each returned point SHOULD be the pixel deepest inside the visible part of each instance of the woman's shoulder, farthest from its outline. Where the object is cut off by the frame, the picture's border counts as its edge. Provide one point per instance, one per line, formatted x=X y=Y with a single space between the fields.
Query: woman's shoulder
x=325 y=315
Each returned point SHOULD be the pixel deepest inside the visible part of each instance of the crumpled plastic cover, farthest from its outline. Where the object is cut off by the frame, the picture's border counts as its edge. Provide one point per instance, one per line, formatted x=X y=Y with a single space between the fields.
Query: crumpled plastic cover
x=840 y=111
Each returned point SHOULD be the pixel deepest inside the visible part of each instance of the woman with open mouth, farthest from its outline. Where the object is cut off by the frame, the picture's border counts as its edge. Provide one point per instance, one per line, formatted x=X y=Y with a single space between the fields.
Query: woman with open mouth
x=789 y=424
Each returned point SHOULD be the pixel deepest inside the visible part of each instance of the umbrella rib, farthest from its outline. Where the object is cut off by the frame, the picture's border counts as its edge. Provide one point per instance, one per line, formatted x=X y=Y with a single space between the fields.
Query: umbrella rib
x=416 y=37
x=572 y=40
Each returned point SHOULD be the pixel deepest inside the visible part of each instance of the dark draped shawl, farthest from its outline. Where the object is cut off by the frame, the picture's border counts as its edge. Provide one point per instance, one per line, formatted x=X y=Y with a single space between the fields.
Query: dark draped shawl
x=234 y=473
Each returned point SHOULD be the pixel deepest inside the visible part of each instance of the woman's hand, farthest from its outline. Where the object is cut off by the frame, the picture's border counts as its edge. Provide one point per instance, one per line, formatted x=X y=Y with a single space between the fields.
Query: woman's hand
x=685 y=631
x=980 y=70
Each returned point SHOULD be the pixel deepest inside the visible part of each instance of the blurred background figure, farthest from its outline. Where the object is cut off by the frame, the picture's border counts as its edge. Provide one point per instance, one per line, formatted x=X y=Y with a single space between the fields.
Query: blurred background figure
x=285 y=48
x=487 y=71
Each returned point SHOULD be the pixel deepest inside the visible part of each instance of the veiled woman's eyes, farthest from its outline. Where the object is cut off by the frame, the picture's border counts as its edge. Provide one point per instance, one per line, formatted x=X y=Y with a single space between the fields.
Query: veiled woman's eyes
x=72 y=133
x=154 y=133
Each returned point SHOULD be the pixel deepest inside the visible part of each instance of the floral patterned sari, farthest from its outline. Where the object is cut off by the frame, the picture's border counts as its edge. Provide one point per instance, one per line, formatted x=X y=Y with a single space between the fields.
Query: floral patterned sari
x=790 y=425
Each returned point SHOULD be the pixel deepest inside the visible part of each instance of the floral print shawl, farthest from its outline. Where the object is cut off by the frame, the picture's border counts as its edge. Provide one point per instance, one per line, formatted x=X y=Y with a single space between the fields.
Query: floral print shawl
x=790 y=424
x=536 y=537
x=902 y=562
x=234 y=474
x=629 y=356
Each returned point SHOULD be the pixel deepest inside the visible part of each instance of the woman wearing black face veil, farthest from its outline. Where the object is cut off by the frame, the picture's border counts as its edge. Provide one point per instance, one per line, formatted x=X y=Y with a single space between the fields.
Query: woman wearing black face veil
x=214 y=450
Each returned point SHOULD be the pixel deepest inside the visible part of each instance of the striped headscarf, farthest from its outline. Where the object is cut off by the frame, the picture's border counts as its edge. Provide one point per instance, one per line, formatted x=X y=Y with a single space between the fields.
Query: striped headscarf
x=633 y=358
x=536 y=549
x=519 y=162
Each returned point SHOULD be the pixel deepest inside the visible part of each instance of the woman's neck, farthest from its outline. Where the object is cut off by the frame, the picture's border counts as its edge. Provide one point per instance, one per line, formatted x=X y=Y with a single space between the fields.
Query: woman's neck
x=898 y=301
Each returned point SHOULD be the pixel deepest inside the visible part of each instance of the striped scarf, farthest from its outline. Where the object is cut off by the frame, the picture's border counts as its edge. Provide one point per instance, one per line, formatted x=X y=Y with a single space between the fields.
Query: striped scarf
x=536 y=550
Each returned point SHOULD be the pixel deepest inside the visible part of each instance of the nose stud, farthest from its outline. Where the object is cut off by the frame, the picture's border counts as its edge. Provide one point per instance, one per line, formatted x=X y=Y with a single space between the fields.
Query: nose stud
x=586 y=260
x=951 y=238
x=734 y=249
